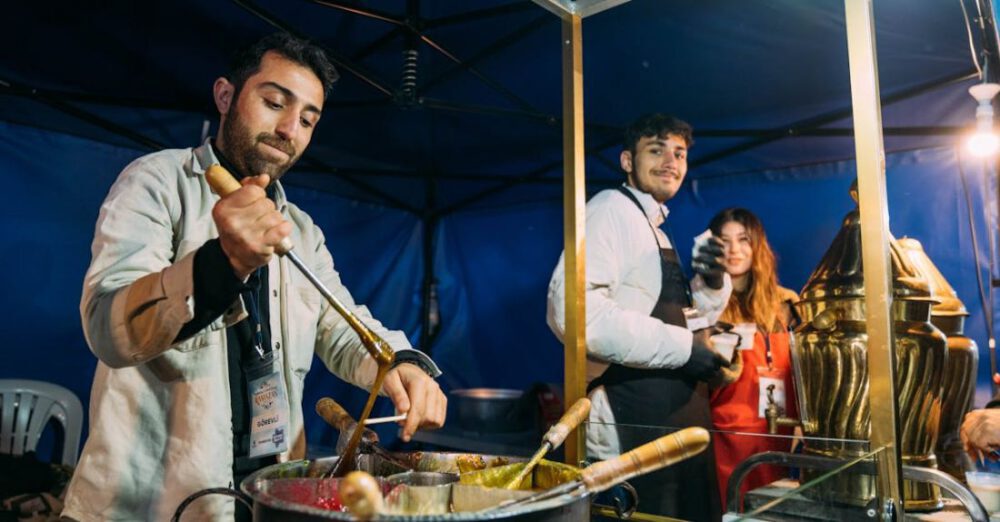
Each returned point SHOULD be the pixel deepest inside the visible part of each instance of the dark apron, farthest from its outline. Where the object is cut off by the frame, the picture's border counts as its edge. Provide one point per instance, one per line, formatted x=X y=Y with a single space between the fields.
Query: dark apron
x=665 y=399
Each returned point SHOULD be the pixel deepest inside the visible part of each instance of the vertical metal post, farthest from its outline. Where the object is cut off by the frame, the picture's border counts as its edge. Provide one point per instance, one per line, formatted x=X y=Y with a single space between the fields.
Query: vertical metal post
x=574 y=226
x=428 y=324
x=875 y=252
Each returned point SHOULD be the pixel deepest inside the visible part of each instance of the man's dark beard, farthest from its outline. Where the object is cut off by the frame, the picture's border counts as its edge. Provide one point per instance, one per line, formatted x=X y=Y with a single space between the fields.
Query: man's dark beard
x=240 y=148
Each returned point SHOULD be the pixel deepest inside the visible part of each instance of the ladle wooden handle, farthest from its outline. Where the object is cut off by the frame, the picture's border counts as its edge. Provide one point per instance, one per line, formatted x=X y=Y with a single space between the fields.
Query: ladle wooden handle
x=334 y=414
x=660 y=453
x=567 y=423
x=224 y=184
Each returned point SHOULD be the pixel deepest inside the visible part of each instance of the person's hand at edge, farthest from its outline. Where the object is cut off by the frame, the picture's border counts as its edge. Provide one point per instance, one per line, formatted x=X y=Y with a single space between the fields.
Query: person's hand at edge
x=980 y=432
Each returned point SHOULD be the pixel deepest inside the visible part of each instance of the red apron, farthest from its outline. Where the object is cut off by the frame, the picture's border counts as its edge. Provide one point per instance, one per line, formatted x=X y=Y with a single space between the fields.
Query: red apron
x=735 y=408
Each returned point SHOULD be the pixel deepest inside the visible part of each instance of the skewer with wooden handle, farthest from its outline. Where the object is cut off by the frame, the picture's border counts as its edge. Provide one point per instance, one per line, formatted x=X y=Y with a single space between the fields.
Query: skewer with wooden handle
x=335 y=415
x=554 y=437
x=223 y=183
x=600 y=476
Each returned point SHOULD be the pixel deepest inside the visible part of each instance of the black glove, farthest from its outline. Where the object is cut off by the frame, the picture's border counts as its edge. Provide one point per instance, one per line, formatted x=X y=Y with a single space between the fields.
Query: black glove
x=706 y=259
x=705 y=363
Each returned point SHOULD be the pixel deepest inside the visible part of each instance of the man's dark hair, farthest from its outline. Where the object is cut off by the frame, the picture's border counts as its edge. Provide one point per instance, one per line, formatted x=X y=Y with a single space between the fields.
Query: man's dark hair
x=656 y=125
x=246 y=62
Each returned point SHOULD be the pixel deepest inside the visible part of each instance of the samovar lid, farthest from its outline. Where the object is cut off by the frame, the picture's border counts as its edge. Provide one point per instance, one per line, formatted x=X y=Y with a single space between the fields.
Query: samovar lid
x=840 y=273
x=950 y=304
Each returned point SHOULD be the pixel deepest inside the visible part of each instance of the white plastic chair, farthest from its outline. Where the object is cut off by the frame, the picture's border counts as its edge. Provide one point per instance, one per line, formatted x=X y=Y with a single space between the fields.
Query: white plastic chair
x=25 y=409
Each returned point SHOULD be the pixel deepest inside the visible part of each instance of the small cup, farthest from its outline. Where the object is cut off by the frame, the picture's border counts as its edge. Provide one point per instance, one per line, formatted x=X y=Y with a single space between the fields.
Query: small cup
x=986 y=486
x=746 y=331
x=420 y=492
x=725 y=343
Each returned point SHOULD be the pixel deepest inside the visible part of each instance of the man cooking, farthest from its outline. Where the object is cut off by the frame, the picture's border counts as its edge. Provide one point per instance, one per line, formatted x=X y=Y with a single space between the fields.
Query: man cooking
x=204 y=336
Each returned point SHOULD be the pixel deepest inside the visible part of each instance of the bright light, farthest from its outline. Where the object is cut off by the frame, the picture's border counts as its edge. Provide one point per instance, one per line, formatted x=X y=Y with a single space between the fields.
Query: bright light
x=985 y=141
x=982 y=145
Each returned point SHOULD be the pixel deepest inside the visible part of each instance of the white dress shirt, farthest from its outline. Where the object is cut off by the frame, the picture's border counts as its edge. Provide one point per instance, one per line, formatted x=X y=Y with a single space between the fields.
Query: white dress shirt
x=622 y=287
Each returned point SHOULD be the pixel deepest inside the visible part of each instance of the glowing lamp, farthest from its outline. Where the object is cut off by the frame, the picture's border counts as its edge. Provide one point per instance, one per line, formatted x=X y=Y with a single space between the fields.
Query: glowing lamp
x=984 y=142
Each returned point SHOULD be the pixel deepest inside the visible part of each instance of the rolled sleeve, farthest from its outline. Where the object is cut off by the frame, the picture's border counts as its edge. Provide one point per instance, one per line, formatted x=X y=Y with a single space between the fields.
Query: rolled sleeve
x=135 y=298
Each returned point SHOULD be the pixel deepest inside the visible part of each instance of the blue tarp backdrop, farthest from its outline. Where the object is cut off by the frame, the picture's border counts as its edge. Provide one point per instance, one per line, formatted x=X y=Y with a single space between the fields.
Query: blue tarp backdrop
x=492 y=264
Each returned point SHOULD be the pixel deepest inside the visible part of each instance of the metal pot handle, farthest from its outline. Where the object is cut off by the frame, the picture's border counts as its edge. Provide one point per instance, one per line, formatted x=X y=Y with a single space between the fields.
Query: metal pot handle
x=621 y=509
x=231 y=492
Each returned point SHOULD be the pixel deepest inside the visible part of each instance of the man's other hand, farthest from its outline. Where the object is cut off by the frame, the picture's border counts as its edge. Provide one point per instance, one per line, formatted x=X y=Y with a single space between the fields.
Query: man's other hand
x=416 y=394
x=706 y=259
x=249 y=226
x=705 y=363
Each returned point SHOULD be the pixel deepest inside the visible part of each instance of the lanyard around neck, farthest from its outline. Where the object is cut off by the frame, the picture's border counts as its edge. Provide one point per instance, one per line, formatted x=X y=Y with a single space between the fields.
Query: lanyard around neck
x=251 y=298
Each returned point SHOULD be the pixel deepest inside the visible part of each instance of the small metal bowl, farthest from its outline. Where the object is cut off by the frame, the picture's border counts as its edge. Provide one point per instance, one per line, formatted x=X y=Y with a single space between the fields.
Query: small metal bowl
x=420 y=493
x=492 y=410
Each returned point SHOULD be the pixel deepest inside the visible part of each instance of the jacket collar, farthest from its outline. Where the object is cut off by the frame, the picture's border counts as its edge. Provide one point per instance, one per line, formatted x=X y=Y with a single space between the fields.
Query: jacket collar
x=655 y=212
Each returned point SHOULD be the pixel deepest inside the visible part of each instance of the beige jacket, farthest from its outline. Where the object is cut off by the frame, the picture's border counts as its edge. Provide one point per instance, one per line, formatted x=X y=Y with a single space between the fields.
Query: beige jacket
x=160 y=426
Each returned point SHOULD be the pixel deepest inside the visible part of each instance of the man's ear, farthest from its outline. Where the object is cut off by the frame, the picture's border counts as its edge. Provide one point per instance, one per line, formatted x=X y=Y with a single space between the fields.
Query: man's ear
x=626 y=160
x=223 y=92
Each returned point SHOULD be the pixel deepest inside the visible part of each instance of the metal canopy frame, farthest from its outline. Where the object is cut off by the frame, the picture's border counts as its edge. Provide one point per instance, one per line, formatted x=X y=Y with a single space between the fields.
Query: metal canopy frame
x=412 y=29
x=872 y=202
x=569 y=9
x=410 y=26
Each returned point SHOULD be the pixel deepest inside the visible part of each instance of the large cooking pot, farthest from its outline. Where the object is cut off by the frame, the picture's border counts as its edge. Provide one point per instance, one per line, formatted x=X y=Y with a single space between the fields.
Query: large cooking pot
x=265 y=488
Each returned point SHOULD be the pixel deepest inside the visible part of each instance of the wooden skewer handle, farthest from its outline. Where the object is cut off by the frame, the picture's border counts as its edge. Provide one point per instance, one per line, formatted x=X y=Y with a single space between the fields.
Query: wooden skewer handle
x=334 y=414
x=567 y=423
x=224 y=184
x=660 y=453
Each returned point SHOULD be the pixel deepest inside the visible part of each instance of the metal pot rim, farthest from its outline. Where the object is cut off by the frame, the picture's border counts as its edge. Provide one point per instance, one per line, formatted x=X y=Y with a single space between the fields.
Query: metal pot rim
x=249 y=486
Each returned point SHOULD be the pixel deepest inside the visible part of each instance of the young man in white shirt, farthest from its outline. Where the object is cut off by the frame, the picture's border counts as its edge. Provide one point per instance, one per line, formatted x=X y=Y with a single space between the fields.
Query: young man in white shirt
x=646 y=367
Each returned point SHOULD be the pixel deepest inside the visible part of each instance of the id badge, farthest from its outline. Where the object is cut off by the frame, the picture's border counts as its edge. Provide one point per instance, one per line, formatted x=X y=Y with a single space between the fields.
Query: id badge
x=695 y=320
x=268 y=406
x=772 y=385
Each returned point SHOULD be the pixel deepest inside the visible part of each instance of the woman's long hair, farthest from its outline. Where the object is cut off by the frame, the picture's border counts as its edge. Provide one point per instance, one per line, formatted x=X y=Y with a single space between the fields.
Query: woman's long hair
x=760 y=302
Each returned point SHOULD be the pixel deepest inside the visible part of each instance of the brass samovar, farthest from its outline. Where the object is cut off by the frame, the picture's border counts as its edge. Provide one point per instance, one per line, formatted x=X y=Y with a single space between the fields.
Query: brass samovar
x=960 y=371
x=831 y=355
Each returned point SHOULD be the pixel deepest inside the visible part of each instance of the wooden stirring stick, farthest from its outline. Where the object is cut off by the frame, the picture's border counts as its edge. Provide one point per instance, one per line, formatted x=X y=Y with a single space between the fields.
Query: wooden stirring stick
x=600 y=476
x=554 y=437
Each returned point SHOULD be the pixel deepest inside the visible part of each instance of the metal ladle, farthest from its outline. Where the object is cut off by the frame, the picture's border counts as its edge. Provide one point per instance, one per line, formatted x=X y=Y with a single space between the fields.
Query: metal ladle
x=223 y=183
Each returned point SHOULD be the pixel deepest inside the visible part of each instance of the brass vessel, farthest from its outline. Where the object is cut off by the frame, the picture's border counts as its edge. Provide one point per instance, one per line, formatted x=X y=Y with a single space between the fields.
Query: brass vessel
x=831 y=355
x=960 y=371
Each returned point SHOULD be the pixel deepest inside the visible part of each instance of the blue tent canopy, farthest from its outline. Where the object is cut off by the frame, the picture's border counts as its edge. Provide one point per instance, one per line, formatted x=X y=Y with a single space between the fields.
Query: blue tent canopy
x=462 y=168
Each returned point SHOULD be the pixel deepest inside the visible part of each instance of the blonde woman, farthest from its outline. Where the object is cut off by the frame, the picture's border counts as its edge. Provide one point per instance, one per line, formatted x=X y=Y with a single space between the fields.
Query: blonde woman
x=762 y=310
